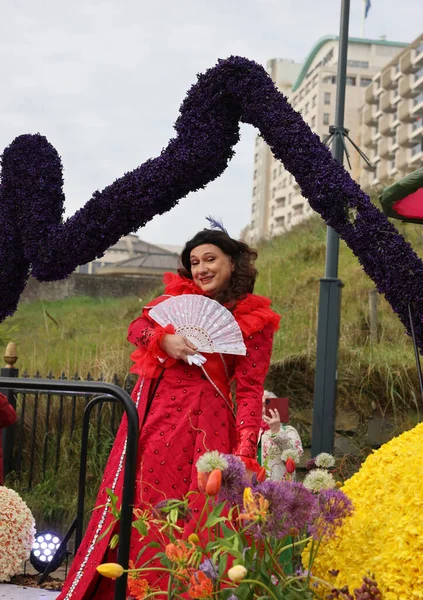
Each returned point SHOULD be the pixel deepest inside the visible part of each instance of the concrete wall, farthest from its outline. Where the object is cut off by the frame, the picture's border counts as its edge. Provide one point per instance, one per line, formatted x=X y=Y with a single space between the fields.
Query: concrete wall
x=96 y=286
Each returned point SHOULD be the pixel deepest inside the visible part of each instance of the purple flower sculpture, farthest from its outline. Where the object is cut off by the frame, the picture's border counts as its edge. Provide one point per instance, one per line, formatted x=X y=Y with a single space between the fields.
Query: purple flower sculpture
x=34 y=239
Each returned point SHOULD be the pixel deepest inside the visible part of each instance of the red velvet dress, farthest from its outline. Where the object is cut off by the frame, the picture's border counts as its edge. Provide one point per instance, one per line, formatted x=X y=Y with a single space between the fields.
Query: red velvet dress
x=190 y=413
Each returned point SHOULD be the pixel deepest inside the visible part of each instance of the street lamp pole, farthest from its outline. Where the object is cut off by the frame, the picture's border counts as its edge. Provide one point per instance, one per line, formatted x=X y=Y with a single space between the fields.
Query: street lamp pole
x=323 y=430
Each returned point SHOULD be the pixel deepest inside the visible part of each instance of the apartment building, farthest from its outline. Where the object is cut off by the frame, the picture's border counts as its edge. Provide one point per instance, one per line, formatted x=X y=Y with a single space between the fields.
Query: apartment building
x=392 y=119
x=277 y=203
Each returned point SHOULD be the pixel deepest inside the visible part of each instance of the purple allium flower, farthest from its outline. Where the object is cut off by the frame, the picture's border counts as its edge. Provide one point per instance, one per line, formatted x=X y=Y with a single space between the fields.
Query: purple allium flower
x=333 y=507
x=233 y=597
x=234 y=480
x=310 y=464
x=291 y=505
x=210 y=569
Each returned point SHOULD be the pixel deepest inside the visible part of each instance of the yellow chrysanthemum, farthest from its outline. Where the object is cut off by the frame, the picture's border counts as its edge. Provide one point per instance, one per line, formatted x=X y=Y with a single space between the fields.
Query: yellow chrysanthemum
x=384 y=535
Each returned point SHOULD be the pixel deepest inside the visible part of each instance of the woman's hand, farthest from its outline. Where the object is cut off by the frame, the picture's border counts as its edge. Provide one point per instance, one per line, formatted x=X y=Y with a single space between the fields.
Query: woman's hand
x=178 y=347
x=274 y=421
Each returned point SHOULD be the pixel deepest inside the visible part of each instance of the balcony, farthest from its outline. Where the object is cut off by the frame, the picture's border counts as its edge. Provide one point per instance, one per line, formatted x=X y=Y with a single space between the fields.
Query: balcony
x=416 y=155
x=384 y=147
x=406 y=87
x=408 y=61
x=417 y=129
x=418 y=56
x=404 y=138
x=385 y=125
x=369 y=94
x=369 y=115
x=387 y=79
x=402 y=159
x=368 y=140
x=386 y=102
x=417 y=109
x=404 y=112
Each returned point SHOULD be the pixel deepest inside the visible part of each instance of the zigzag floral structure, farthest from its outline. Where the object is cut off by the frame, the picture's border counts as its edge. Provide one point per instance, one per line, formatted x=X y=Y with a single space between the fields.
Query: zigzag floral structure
x=35 y=240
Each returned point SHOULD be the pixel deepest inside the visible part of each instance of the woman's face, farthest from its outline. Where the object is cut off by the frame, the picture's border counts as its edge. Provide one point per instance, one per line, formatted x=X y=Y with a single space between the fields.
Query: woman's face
x=211 y=269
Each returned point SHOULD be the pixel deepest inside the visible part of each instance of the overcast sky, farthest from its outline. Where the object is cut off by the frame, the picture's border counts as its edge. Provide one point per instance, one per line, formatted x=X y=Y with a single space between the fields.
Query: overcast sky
x=103 y=80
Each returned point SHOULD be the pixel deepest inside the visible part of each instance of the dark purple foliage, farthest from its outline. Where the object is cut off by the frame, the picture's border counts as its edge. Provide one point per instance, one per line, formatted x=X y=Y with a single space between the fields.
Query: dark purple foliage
x=34 y=237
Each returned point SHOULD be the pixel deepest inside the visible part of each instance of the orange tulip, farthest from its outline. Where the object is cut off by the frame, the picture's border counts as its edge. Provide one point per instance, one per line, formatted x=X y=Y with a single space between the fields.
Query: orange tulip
x=214 y=482
x=202 y=481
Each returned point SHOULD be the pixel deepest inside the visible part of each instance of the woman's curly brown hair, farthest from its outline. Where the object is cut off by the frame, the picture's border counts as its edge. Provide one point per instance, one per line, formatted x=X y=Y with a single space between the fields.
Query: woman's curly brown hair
x=244 y=274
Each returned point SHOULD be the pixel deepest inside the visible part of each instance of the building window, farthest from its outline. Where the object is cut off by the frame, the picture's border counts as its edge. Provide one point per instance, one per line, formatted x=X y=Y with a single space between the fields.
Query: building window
x=255 y=174
x=325 y=118
x=252 y=224
x=418 y=99
x=280 y=221
x=417 y=148
x=273 y=192
x=397 y=68
x=365 y=81
x=254 y=191
x=395 y=116
x=298 y=210
x=360 y=64
x=327 y=98
x=306 y=108
x=313 y=122
x=416 y=124
x=314 y=101
x=256 y=157
x=284 y=183
x=301 y=95
x=281 y=202
x=393 y=164
x=329 y=79
x=351 y=80
x=253 y=207
x=289 y=198
x=275 y=173
x=280 y=169
x=84 y=269
x=289 y=218
x=315 y=79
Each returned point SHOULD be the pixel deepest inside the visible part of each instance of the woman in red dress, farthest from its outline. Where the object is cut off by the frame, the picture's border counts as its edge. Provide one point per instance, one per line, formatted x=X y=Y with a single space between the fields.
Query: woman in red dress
x=184 y=410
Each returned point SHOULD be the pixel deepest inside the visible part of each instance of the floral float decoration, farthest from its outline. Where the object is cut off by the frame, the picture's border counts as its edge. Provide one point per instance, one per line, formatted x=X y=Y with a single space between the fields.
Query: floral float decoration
x=384 y=535
x=236 y=549
x=17 y=531
x=36 y=240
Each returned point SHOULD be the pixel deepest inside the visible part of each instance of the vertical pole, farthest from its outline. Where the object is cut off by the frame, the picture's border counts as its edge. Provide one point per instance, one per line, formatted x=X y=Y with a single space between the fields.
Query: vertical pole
x=8 y=434
x=323 y=430
x=363 y=19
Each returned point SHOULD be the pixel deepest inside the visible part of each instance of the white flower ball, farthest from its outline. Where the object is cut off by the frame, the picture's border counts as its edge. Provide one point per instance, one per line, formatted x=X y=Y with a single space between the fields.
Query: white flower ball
x=17 y=533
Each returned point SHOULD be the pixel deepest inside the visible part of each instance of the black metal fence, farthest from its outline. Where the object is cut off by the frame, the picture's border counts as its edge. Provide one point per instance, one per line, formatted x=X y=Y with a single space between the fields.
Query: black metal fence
x=46 y=438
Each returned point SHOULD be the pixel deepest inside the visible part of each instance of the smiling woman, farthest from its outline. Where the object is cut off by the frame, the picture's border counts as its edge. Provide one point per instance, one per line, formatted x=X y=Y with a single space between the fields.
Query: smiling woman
x=184 y=409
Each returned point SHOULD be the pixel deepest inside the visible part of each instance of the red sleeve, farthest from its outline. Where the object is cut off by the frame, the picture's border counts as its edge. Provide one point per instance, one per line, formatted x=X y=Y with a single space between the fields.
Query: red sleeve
x=250 y=373
x=7 y=412
x=147 y=335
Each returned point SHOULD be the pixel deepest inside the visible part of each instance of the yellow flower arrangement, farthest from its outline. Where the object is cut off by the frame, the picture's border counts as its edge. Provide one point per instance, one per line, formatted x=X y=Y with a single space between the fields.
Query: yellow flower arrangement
x=384 y=535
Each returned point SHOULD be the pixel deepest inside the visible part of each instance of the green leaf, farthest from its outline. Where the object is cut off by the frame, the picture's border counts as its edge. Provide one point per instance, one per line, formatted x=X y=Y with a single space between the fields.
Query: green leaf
x=141 y=527
x=223 y=564
x=114 y=500
x=173 y=515
x=213 y=520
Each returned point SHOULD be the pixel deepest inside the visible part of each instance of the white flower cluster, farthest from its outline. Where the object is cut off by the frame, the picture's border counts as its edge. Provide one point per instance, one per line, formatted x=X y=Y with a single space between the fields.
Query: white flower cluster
x=17 y=531
x=291 y=453
x=320 y=478
x=210 y=461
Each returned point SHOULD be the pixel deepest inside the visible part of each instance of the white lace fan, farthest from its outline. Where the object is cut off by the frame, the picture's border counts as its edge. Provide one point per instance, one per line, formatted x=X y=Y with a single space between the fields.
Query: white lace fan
x=203 y=321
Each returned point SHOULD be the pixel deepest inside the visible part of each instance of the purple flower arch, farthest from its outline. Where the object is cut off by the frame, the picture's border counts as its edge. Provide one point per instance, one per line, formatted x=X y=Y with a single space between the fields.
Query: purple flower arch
x=34 y=239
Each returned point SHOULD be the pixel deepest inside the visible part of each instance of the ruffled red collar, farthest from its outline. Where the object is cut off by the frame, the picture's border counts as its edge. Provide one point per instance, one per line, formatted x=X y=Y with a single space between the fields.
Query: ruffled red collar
x=252 y=313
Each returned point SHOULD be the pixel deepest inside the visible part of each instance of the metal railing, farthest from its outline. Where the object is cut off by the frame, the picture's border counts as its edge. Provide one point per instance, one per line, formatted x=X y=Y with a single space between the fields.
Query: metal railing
x=108 y=392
